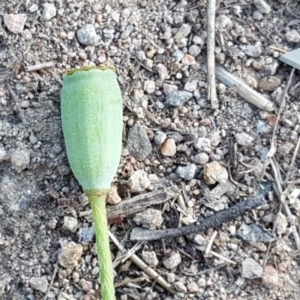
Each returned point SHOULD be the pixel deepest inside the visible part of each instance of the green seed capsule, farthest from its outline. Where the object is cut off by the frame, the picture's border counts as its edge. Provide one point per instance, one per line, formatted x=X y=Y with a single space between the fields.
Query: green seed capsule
x=91 y=111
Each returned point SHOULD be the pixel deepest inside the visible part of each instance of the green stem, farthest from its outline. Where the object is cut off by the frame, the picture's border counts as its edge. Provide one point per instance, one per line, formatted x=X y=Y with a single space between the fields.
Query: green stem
x=98 y=204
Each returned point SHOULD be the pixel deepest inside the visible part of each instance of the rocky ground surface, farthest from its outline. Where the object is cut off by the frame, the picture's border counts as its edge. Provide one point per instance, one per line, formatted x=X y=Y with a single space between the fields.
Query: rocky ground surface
x=172 y=137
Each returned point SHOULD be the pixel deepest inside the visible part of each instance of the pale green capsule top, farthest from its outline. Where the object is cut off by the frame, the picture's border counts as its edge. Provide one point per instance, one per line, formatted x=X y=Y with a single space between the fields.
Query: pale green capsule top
x=92 y=110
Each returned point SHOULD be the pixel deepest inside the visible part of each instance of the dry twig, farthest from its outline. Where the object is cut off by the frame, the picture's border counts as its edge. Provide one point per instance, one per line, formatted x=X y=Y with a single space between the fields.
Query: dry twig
x=211 y=77
x=41 y=66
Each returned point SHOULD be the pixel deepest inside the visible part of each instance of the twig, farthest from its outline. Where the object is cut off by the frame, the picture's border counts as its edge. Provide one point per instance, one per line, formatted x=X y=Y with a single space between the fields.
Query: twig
x=129 y=280
x=211 y=77
x=20 y=110
x=222 y=257
x=293 y=161
x=210 y=243
x=281 y=196
x=214 y=221
x=147 y=269
x=244 y=90
x=52 y=280
x=278 y=49
x=41 y=66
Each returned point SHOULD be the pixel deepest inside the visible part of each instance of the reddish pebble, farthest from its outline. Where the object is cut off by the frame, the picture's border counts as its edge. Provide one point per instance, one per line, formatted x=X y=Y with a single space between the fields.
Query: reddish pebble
x=188 y=60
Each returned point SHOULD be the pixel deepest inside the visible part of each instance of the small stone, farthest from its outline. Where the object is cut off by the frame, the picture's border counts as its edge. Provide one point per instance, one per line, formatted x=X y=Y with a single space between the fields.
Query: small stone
x=270 y=277
x=149 y=218
x=293 y=36
x=20 y=160
x=252 y=51
x=214 y=172
x=171 y=277
x=149 y=86
x=221 y=88
x=172 y=261
x=215 y=138
x=177 y=55
x=169 y=88
x=87 y=35
x=86 y=234
x=69 y=255
x=202 y=282
x=194 y=50
x=188 y=60
x=251 y=269
x=262 y=6
x=4 y=156
x=178 y=19
x=162 y=72
x=178 y=98
x=150 y=258
x=201 y=158
x=269 y=83
x=179 y=286
x=198 y=40
x=285 y=149
x=25 y=104
x=109 y=33
x=27 y=35
x=191 y=85
x=113 y=197
x=182 y=33
x=159 y=137
x=169 y=148
x=33 y=8
x=193 y=287
x=138 y=143
x=39 y=283
x=244 y=139
x=138 y=181
x=262 y=127
x=85 y=285
x=223 y=22
x=187 y=172
x=281 y=223
x=203 y=144
x=49 y=12
x=15 y=23
x=70 y=224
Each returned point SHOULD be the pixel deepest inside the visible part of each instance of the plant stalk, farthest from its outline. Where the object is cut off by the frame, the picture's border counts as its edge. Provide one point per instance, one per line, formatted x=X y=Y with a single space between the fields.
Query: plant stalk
x=98 y=204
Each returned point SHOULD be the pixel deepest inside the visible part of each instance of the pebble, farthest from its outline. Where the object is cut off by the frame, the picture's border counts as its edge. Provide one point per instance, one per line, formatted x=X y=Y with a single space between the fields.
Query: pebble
x=244 y=139
x=159 y=137
x=269 y=83
x=113 y=197
x=193 y=287
x=85 y=285
x=285 y=149
x=70 y=224
x=221 y=88
x=178 y=98
x=86 y=234
x=138 y=143
x=178 y=19
x=172 y=261
x=214 y=172
x=109 y=33
x=4 y=156
x=223 y=22
x=194 y=50
x=171 y=277
x=15 y=23
x=169 y=148
x=169 y=88
x=262 y=127
x=49 y=12
x=162 y=72
x=39 y=283
x=177 y=55
x=25 y=104
x=201 y=158
x=186 y=172
x=262 y=6
x=149 y=86
x=293 y=36
x=198 y=40
x=191 y=85
x=27 y=35
x=215 y=138
x=281 y=223
x=270 y=277
x=149 y=218
x=33 y=8
x=20 y=160
x=138 y=181
x=70 y=255
x=203 y=144
x=188 y=60
x=182 y=33
x=87 y=35
x=150 y=258
x=252 y=51
x=179 y=286
x=251 y=269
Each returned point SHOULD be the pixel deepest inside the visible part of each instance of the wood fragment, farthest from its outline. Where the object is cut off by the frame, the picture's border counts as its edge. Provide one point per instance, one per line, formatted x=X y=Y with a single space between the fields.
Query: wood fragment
x=147 y=269
x=40 y=66
x=20 y=110
x=211 y=77
x=226 y=215
x=244 y=90
x=138 y=203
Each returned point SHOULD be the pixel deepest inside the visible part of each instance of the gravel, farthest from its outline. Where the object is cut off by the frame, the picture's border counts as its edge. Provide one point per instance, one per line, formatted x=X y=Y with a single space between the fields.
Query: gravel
x=178 y=98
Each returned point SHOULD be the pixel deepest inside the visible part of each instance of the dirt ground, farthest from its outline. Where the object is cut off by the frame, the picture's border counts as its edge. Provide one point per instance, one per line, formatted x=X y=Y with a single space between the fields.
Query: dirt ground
x=213 y=158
